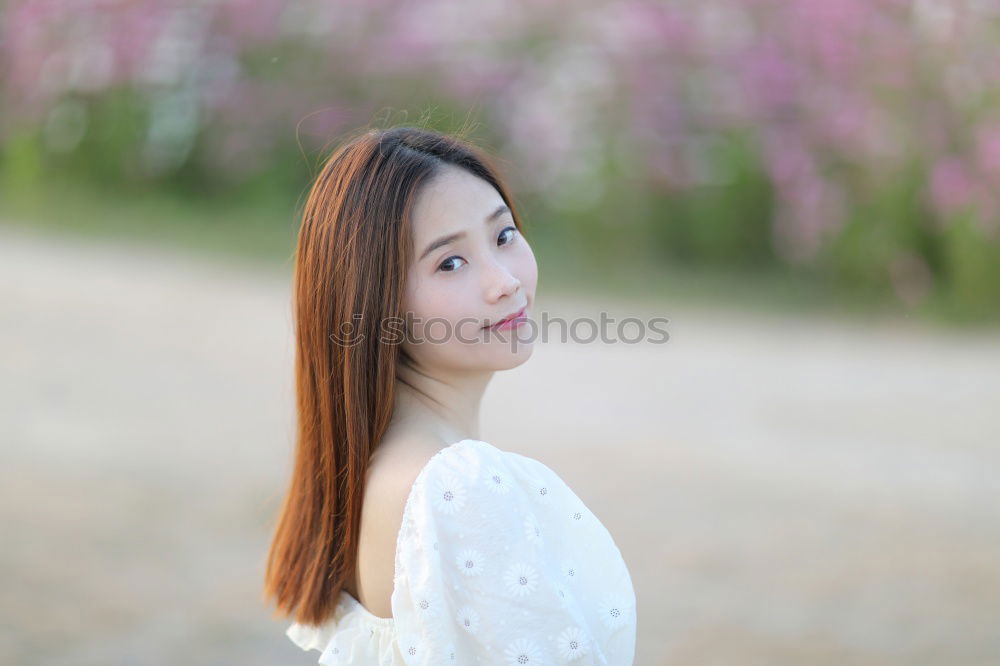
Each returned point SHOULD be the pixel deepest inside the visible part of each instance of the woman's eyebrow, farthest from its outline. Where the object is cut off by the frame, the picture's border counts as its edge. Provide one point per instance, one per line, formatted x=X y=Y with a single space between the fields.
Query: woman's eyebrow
x=444 y=240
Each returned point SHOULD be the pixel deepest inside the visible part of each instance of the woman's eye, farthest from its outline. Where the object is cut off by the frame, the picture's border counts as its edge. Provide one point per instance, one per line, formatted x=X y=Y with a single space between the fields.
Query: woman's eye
x=512 y=230
x=445 y=263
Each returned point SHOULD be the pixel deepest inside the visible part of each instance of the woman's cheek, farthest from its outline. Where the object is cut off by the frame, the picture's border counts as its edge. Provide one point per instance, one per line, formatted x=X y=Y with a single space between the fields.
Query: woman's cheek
x=529 y=269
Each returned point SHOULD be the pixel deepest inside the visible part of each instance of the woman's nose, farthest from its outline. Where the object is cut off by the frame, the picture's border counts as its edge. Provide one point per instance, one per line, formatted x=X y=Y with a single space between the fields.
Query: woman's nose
x=502 y=282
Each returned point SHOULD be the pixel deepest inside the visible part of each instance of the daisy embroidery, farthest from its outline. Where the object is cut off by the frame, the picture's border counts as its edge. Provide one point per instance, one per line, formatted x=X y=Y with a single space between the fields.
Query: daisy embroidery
x=541 y=491
x=578 y=515
x=533 y=530
x=570 y=571
x=523 y=652
x=448 y=494
x=331 y=655
x=428 y=604
x=572 y=643
x=615 y=611
x=410 y=647
x=521 y=579
x=470 y=562
x=468 y=619
x=497 y=481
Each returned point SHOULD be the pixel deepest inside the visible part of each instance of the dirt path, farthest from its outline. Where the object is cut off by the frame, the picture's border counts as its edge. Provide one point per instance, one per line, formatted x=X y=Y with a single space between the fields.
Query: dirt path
x=784 y=490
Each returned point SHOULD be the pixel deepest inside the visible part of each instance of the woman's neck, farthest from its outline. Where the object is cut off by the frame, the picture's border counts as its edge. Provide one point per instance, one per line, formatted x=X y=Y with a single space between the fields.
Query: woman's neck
x=448 y=408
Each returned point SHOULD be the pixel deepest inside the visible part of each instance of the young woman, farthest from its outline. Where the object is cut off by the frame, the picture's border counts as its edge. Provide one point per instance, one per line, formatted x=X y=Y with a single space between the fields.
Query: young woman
x=404 y=538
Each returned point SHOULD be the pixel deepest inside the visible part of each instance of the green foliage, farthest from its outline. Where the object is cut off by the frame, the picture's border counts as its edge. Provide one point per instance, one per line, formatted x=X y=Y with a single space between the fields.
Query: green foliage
x=108 y=154
x=878 y=228
x=971 y=267
x=720 y=224
x=22 y=166
x=701 y=240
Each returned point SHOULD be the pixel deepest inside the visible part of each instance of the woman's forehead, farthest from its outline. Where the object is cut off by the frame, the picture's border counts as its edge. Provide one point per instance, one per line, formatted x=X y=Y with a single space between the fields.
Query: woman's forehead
x=455 y=198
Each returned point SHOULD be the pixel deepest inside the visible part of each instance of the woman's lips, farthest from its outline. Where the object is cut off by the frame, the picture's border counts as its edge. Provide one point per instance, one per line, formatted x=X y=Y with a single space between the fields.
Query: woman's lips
x=516 y=320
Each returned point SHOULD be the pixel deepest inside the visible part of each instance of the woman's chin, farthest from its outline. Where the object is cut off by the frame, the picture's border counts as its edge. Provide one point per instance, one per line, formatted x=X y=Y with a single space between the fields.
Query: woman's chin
x=509 y=354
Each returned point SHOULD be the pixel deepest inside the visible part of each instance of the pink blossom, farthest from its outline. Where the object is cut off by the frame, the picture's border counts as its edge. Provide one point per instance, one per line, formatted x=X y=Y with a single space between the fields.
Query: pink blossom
x=952 y=185
x=988 y=151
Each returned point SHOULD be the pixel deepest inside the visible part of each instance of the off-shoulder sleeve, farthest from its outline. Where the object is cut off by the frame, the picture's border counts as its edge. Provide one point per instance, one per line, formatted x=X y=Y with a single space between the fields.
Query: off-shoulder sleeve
x=499 y=562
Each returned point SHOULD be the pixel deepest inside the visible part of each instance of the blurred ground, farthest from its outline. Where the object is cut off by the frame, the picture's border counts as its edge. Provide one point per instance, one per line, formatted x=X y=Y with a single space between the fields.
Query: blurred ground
x=784 y=489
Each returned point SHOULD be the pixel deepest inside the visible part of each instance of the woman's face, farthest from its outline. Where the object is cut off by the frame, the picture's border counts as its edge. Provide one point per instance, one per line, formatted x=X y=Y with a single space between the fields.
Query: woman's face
x=454 y=288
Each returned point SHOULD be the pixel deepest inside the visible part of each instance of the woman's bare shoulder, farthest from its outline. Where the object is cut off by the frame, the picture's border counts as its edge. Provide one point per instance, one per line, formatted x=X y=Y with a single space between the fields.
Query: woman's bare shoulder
x=399 y=457
x=392 y=471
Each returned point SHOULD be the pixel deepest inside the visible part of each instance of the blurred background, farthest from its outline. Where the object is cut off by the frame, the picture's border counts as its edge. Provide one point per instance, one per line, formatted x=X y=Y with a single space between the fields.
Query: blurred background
x=807 y=472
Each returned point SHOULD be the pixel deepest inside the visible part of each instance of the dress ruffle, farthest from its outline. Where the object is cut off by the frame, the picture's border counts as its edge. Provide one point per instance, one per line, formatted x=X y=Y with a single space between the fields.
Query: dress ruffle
x=350 y=633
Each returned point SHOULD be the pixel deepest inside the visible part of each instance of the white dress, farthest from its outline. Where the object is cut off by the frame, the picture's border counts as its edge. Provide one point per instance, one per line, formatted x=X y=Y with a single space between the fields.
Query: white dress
x=497 y=562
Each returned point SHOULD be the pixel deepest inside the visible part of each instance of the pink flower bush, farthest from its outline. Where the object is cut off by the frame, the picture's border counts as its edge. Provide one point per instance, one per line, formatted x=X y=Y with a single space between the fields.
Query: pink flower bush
x=836 y=95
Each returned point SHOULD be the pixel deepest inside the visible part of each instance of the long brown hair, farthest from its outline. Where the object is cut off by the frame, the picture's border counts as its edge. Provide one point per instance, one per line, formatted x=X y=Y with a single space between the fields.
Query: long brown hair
x=353 y=253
